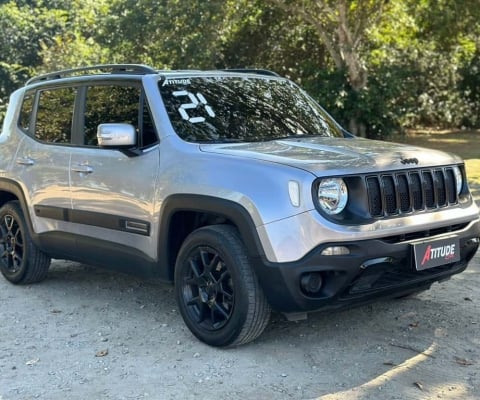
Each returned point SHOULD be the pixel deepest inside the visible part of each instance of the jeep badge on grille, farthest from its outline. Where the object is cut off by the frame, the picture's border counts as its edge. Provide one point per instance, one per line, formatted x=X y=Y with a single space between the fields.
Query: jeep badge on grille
x=409 y=161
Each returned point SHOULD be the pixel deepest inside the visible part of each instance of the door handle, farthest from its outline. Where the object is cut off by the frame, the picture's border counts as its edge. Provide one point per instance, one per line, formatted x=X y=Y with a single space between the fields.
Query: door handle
x=82 y=168
x=25 y=161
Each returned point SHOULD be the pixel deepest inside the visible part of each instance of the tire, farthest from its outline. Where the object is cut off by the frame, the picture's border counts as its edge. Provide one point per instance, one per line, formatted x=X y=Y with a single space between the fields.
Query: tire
x=21 y=261
x=216 y=289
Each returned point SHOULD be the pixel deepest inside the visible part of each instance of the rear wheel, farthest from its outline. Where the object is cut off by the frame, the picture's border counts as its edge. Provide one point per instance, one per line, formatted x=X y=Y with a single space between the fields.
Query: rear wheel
x=216 y=289
x=20 y=259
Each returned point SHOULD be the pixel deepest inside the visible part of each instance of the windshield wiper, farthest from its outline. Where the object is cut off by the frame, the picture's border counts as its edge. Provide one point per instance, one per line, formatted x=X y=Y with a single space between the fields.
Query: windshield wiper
x=224 y=140
x=308 y=135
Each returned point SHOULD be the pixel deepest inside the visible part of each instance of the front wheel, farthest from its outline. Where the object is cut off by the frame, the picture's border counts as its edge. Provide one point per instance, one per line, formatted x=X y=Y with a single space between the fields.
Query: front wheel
x=20 y=259
x=216 y=289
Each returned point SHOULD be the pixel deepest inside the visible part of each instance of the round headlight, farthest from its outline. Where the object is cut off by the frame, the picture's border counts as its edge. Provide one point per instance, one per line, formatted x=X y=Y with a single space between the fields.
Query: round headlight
x=332 y=195
x=458 y=179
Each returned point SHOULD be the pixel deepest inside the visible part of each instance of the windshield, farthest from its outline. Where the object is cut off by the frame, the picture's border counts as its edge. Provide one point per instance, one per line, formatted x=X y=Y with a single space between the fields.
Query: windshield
x=243 y=109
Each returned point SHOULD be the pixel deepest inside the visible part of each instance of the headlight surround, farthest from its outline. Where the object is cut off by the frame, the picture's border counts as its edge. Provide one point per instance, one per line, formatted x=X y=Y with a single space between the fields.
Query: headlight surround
x=458 y=179
x=332 y=195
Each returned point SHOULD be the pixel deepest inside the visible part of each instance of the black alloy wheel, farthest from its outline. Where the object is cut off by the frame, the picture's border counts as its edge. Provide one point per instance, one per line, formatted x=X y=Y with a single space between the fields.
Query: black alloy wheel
x=20 y=259
x=11 y=242
x=217 y=292
x=208 y=289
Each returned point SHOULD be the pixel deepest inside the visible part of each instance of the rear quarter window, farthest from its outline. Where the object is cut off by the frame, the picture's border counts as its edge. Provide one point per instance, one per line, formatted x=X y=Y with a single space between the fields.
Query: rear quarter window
x=24 y=120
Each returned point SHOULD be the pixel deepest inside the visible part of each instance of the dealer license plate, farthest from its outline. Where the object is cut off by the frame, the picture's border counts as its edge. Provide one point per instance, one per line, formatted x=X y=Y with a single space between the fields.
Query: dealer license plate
x=434 y=253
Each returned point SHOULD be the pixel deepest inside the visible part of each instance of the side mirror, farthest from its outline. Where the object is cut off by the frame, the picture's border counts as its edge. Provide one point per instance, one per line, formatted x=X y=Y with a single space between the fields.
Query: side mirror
x=116 y=135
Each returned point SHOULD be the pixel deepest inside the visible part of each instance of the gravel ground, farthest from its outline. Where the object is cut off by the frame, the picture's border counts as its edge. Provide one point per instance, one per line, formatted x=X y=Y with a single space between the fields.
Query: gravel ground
x=87 y=333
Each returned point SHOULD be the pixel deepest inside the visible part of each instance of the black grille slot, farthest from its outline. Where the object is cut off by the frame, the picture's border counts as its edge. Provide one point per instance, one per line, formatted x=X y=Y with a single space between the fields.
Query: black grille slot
x=428 y=189
x=389 y=194
x=403 y=192
x=409 y=191
x=375 y=197
x=450 y=185
x=417 y=193
x=440 y=187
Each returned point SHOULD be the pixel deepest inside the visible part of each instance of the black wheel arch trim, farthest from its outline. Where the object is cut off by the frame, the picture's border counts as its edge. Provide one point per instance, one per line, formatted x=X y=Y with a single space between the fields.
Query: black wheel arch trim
x=228 y=209
x=10 y=186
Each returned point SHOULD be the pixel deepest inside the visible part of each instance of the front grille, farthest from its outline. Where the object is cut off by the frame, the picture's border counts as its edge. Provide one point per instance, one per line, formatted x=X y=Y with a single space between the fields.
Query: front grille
x=424 y=234
x=409 y=191
x=393 y=276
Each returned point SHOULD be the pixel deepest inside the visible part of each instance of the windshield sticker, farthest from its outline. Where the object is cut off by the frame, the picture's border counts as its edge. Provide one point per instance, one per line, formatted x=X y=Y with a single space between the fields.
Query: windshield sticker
x=196 y=101
x=176 y=82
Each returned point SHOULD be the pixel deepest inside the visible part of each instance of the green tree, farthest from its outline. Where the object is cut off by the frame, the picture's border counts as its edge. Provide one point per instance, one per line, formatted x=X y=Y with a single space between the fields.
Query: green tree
x=378 y=66
x=425 y=49
x=38 y=36
x=167 y=34
x=18 y=47
x=76 y=42
x=342 y=27
x=261 y=35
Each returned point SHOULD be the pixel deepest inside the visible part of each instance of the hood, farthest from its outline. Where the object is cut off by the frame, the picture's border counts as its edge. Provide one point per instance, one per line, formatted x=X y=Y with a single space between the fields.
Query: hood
x=336 y=155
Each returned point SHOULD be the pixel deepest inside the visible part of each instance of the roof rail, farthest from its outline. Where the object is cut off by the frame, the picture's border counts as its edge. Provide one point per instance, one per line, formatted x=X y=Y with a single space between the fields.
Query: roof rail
x=103 y=69
x=252 y=71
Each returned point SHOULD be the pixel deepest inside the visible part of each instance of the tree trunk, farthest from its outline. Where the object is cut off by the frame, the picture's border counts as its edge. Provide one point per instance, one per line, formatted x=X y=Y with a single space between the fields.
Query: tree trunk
x=357 y=128
x=341 y=28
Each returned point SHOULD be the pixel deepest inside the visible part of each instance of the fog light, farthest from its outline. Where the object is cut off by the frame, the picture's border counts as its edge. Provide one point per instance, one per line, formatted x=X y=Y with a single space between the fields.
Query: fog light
x=336 y=251
x=312 y=282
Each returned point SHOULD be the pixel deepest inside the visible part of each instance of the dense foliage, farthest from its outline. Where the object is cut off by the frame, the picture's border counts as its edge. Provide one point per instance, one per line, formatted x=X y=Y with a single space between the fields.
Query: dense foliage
x=378 y=66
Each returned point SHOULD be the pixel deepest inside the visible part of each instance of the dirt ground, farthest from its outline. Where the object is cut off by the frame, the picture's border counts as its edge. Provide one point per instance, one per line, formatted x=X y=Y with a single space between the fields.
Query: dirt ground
x=87 y=333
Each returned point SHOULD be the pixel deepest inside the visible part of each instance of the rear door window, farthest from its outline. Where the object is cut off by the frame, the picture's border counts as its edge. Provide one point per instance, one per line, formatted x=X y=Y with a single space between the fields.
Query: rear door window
x=55 y=115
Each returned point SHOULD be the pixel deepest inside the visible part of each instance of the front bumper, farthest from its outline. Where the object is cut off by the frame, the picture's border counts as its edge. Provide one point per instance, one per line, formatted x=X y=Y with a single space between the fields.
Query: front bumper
x=374 y=269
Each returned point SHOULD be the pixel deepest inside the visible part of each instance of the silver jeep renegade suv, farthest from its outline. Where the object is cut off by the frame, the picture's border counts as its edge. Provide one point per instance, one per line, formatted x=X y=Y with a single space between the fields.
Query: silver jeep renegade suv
x=234 y=185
